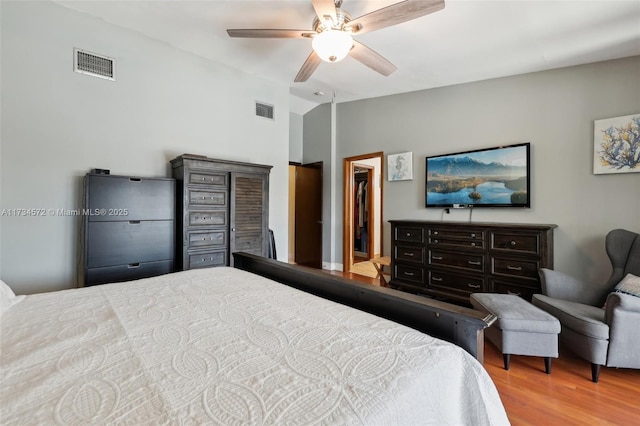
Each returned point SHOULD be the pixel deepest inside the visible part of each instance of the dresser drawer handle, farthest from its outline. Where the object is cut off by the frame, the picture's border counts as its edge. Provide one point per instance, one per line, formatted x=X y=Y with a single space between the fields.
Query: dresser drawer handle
x=436 y=279
x=473 y=285
x=408 y=234
x=408 y=254
x=435 y=241
x=513 y=243
x=473 y=235
x=435 y=233
x=134 y=222
x=473 y=244
x=514 y=268
x=409 y=274
x=471 y=262
x=437 y=257
x=205 y=238
x=133 y=265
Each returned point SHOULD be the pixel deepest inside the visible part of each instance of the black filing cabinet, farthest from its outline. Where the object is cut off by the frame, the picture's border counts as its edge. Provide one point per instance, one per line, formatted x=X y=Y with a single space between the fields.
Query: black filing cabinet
x=129 y=228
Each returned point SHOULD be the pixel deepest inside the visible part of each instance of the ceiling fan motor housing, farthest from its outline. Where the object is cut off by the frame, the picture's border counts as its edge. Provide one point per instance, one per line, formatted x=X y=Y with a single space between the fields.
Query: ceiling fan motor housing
x=342 y=18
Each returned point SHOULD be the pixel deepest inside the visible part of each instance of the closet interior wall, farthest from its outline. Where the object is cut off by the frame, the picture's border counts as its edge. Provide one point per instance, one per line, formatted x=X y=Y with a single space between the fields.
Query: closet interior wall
x=361 y=207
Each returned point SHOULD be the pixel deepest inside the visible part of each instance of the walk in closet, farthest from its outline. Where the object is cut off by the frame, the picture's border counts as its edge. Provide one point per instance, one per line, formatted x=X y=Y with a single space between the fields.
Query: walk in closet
x=361 y=208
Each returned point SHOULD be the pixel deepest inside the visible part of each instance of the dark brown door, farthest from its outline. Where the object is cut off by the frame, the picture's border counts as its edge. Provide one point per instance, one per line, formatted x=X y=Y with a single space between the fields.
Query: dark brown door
x=308 y=218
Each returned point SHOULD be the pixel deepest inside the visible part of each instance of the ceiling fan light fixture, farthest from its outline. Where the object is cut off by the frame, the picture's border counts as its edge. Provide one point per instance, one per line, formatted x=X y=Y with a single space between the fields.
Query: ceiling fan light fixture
x=332 y=45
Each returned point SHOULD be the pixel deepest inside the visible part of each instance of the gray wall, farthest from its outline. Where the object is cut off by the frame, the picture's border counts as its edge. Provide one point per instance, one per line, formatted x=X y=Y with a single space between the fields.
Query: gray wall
x=57 y=125
x=554 y=110
x=296 y=137
x=317 y=147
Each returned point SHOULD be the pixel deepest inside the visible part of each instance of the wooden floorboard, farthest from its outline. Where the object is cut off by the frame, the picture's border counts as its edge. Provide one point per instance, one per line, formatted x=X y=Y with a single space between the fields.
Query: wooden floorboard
x=567 y=396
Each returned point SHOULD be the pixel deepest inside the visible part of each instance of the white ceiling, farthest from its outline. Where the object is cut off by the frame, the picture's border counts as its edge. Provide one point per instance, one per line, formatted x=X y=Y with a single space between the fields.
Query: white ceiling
x=468 y=41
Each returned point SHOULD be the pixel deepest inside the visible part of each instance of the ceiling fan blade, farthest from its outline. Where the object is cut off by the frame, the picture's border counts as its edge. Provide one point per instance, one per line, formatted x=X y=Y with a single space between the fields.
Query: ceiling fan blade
x=395 y=14
x=270 y=33
x=371 y=59
x=308 y=67
x=326 y=10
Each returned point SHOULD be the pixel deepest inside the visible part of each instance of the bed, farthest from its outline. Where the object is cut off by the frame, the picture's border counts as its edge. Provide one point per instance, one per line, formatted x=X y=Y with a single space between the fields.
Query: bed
x=226 y=346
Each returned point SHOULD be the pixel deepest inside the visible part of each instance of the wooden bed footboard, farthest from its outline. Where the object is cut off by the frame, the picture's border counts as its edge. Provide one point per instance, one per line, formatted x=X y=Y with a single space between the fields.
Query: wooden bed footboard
x=456 y=324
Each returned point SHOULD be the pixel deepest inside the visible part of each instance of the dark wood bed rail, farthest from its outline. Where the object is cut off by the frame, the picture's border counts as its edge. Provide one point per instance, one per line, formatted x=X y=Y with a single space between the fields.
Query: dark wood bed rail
x=456 y=324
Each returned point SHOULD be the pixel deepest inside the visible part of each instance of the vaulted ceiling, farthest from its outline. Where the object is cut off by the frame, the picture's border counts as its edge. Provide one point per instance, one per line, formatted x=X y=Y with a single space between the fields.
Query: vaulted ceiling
x=467 y=41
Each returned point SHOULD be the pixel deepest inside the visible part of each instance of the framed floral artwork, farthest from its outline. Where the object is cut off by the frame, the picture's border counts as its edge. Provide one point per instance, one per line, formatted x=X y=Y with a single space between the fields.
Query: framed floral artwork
x=400 y=166
x=616 y=145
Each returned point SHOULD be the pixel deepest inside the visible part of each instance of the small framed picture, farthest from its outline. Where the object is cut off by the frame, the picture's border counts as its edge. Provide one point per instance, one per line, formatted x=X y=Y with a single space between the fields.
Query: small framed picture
x=400 y=166
x=616 y=145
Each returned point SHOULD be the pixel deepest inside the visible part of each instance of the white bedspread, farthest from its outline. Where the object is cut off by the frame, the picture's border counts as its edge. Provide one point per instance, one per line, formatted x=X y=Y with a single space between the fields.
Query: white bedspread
x=222 y=346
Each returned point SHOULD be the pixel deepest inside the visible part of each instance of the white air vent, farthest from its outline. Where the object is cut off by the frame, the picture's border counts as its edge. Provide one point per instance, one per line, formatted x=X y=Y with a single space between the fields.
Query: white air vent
x=95 y=65
x=264 y=110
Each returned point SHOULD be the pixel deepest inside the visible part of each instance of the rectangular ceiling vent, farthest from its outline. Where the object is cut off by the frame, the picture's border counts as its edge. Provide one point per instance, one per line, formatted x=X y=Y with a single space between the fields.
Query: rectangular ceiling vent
x=95 y=65
x=264 y=110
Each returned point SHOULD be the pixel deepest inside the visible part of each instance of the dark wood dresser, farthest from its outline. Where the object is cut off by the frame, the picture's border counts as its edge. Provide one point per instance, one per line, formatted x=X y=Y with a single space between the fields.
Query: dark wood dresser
x=223 y=208
x=129 y=228
x=451 y=260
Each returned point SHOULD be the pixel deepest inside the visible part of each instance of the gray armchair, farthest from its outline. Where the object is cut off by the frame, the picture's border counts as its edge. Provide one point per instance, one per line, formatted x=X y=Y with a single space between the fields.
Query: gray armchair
x=602 y=335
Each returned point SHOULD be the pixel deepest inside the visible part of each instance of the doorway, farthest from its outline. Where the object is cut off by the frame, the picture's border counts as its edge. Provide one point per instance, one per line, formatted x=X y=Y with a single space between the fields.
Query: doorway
x=363 y=245
x=305 y=214
x=362 y=215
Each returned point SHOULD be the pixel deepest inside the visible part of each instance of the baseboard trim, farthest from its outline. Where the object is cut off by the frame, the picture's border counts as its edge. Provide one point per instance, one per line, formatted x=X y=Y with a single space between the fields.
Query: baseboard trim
x=332 y=266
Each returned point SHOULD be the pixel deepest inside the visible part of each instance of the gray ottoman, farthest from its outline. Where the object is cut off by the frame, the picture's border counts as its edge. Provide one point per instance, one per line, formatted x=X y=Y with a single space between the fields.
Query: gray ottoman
x=521 y=328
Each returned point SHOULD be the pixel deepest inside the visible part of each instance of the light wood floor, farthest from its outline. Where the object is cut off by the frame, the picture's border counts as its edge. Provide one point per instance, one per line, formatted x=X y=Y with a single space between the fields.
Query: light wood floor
x=567 y=396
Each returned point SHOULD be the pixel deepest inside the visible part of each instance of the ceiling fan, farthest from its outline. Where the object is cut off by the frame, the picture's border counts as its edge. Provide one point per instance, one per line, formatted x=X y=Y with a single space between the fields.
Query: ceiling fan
x=333 y=31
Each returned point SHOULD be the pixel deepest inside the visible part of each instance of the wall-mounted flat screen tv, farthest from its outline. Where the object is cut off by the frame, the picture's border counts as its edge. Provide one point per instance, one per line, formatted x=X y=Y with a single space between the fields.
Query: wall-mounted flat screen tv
x=492 y=177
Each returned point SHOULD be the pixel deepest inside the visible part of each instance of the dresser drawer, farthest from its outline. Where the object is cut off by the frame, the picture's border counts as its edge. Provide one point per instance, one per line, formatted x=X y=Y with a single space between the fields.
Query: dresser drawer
x=201 y=239
x=128 y=198
x=125 y=242
x=216 y=179
x=515 y=267
x=207 y=198
x=409 y=234
x=445 y=282
x=134 y=271
x=457 y=238
x=409 y=254
x=207 y=259
x=457 y=234
x=517 y=288
x=409 y=274
x=208 y=218
x=467 y=261
x=455 y=243
x=515 y=243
